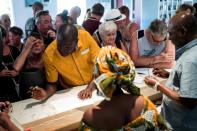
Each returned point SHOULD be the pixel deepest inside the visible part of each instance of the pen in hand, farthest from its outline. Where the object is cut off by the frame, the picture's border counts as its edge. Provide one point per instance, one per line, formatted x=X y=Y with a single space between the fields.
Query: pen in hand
x=149 y=72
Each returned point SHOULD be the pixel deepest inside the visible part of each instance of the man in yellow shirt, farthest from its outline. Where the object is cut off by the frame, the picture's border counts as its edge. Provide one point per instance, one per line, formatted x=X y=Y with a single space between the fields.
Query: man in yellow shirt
x=68 y=60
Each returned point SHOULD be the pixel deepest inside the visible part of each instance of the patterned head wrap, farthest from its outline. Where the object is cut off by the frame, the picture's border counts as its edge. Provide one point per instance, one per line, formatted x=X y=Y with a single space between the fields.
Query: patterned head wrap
x=114 y=69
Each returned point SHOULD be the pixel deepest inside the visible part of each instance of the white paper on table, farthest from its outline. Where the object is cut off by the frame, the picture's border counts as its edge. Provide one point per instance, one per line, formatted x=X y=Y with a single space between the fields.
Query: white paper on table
x=168 y=70
x=36 y=112
x=144 y=71
x=16 y=123
x=31 y=110
x=138 y=79
x=73 y=102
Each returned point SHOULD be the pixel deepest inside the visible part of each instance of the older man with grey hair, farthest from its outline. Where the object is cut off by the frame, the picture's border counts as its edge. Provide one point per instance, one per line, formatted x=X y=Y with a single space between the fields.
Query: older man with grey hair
x=151 y=47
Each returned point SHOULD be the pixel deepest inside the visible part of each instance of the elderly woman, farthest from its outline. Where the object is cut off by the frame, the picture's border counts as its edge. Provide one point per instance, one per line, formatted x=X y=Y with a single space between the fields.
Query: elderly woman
x=114 y=74
x=107 y=32
x=152 y=48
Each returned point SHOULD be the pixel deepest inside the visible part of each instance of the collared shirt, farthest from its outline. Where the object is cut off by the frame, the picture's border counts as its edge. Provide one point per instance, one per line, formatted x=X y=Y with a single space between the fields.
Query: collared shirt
x=183 y=79
x=76 y=68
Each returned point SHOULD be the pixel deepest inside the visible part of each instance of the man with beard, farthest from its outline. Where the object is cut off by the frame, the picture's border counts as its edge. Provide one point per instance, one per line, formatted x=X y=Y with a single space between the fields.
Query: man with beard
x=180 y=92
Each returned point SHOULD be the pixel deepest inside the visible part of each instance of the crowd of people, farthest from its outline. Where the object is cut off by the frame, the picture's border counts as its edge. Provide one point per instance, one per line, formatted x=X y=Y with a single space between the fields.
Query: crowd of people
x=103 y=56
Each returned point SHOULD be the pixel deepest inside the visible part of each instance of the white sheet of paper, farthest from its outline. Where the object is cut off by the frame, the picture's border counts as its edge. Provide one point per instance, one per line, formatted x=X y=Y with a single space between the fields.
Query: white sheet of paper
x=139 y=79
x=72 y=102
x=144 y=71
x=31 y=110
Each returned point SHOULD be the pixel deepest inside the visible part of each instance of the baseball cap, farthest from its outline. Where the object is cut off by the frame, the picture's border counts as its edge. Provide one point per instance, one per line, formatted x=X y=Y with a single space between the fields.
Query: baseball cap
x=114 y=15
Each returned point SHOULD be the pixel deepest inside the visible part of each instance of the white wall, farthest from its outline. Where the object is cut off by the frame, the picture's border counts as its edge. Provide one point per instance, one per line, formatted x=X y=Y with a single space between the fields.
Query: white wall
x=6 y=8
x=150 y=12
x=22 y=13
x=65 y=4
x=145 y=12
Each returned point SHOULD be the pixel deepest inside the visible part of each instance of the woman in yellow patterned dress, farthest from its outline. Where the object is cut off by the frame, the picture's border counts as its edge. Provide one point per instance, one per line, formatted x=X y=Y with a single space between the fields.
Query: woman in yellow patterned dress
x=124 y=109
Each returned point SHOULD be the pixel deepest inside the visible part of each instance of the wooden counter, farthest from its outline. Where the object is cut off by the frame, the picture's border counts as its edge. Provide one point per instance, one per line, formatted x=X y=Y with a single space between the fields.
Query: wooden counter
x=64 y=110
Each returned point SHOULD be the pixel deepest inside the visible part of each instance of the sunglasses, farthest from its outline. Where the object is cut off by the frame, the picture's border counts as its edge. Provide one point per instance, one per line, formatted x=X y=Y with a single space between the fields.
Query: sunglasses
x=156 y=41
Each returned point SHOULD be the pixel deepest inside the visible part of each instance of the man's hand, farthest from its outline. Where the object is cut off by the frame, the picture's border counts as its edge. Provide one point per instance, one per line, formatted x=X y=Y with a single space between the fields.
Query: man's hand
x=51 y=34
x=151 y=81
x=161 y=73
x=164 y=57
x=38 y=93
x=87 y=93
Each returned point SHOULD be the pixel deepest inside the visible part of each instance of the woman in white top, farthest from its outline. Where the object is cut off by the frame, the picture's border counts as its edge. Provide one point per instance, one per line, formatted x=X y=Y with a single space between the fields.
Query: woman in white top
x=108 y=32
x=152 y=48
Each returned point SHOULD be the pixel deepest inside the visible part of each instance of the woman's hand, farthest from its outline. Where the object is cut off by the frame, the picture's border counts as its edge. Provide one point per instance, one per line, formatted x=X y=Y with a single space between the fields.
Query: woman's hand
x=30 y=42
x=38 y=93
x=5 y=72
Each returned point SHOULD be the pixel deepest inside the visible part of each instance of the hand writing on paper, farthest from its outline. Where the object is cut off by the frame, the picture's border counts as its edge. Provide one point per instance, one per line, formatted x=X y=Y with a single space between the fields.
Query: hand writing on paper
x=161 y=73
x=151 y=81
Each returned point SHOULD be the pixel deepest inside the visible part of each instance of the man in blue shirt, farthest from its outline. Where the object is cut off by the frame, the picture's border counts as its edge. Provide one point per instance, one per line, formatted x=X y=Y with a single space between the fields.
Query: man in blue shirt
x=180 y=92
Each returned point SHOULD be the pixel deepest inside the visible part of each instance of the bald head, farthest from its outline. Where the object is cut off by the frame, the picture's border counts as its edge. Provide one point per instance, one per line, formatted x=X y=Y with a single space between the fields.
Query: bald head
x=182 y=28
x=67 y=38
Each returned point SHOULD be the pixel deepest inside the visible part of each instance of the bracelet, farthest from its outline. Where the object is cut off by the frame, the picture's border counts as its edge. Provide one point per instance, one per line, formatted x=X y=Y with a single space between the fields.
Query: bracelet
x=156 y=86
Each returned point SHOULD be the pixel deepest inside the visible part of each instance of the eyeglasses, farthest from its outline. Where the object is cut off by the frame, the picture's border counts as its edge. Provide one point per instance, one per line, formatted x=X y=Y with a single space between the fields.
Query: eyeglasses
x=156 y=41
